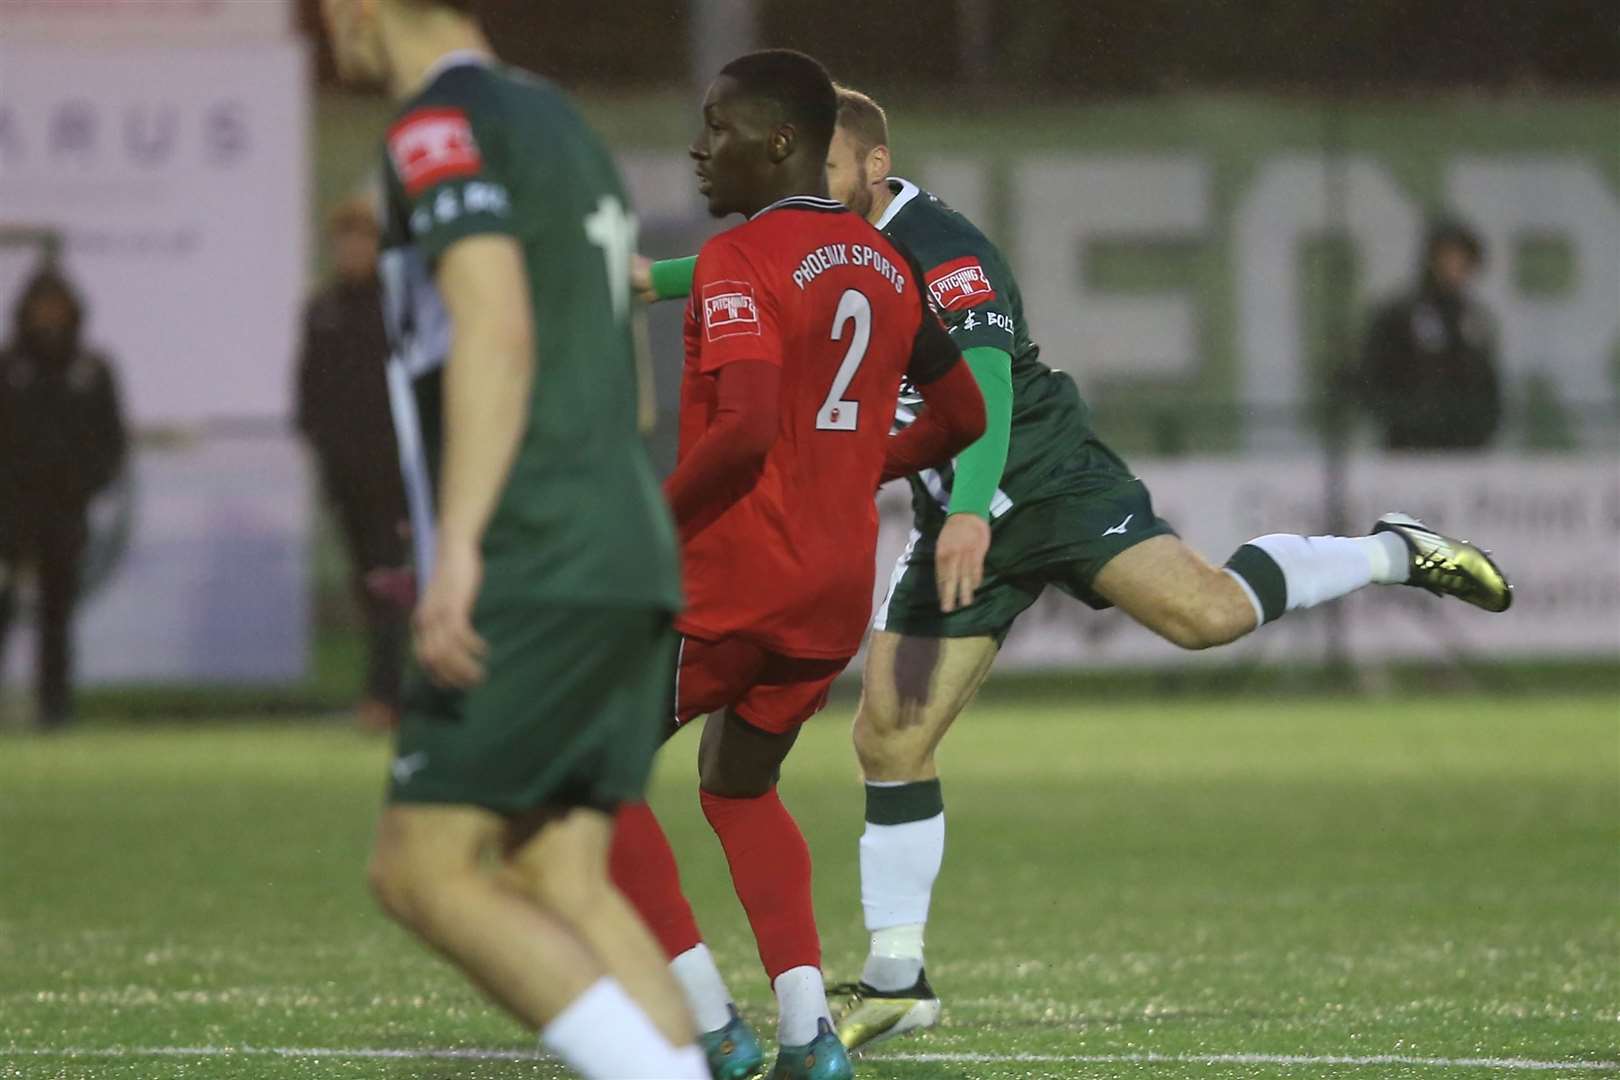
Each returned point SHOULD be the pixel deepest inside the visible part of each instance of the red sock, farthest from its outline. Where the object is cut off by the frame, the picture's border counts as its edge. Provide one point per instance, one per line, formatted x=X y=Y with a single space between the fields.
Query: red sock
x=643 y=867
x=770 y=869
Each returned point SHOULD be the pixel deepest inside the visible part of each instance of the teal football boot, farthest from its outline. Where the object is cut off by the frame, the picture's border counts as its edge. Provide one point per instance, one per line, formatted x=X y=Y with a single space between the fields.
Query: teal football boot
x=733 y=1051
x=824 y=1058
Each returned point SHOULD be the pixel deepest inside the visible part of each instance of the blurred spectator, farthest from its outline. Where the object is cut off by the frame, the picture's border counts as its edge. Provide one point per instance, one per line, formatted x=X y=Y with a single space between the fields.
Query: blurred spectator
x=343 y=411
x=62 y=440
x=1428 y=365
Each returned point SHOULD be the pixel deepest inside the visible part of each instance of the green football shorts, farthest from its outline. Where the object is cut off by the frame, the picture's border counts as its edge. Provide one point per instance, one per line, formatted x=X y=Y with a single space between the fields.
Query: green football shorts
x=572 y=709
x=1062 y=540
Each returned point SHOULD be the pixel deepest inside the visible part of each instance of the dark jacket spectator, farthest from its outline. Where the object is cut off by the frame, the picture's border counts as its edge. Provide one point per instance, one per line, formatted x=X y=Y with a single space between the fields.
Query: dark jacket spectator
x=62 y=440
x=1428 y=365
x=343 y=411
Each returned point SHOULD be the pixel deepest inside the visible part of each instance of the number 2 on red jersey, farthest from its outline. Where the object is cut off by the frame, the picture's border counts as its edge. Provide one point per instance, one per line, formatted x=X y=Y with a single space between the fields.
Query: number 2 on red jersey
x=837 y=414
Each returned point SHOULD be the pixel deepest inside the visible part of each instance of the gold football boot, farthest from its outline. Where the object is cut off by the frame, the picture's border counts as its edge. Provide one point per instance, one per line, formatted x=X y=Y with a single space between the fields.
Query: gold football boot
x=1449 y=567
x=874 y=1016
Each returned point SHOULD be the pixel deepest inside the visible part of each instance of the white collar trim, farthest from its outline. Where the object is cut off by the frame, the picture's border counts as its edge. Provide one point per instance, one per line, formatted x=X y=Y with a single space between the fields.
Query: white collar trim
x=908 y=191
x=805 y=200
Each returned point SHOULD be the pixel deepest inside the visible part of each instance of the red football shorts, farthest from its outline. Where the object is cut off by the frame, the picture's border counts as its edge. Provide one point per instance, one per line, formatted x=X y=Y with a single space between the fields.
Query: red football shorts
x=775 y=693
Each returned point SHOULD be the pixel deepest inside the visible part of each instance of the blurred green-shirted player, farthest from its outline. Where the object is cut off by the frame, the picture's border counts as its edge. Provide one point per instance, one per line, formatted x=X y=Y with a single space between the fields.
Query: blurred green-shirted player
x=580 y=568
x=547 y=559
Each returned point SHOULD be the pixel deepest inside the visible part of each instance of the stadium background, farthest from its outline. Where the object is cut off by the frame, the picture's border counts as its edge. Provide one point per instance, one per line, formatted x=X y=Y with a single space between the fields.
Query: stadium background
x=1202 y=205
x=1378 y=842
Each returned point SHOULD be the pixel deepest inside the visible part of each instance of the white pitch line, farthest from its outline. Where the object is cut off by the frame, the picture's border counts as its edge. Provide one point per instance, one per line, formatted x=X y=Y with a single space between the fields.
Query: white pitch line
x=451 y=1054
x=1505 y=1064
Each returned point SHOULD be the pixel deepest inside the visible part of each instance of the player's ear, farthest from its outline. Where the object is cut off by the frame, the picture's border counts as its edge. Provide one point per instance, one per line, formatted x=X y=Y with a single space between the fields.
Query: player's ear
x=878 y=164
x=783 y=138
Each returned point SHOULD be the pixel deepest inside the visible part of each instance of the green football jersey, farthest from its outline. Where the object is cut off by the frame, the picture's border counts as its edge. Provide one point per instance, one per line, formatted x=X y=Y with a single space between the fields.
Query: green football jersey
x=480 y=150
x=974 y=293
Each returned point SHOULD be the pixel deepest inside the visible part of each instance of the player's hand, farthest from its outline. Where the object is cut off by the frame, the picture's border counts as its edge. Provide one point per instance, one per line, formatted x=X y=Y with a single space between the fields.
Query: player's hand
x=446 y=644
x=641 y=279
x=959 y=559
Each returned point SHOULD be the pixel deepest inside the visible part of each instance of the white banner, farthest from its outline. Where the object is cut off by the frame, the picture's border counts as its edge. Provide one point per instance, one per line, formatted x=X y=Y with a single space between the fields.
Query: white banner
x=1552 y=522
x=211 y=583
x=179 y=180
x=158 y=21
x=1063 y=213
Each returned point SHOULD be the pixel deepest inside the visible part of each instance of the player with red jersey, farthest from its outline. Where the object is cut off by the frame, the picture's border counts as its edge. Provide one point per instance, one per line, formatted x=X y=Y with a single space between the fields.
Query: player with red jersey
x=802 y=323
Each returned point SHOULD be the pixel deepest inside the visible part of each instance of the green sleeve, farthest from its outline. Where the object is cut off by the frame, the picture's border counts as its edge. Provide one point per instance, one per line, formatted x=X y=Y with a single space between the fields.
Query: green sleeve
x=672 y=278
x=978 y=468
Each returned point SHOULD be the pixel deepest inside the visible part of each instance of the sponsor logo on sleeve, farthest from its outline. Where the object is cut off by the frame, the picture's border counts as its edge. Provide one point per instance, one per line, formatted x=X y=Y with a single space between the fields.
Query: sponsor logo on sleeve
x=430 y=146
x=729 y=310
x=959 y=283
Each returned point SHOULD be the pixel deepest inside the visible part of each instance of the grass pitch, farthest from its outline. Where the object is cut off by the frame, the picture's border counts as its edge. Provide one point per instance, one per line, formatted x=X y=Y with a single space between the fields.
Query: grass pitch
x=1159 y=890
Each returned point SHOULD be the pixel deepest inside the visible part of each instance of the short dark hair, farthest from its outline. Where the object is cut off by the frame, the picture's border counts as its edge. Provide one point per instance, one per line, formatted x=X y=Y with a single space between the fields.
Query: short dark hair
x=795 y=82
x=863 y=118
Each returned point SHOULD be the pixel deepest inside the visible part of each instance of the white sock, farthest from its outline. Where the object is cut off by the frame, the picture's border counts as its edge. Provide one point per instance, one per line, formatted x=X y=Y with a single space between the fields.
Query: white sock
x=705 y=990
x=604 y=1035
x=1391 y=560
x=898 y=866
x=896 y=959
x=693 y=1063
x=1322 y=568
x=801 y=998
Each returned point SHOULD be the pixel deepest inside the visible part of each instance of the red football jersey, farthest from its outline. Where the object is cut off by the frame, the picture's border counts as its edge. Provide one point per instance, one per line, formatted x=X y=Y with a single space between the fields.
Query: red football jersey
x=815 y=289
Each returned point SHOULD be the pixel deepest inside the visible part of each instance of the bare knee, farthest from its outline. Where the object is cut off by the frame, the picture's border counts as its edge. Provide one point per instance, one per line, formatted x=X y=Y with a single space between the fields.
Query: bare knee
x=415 y=863
x=572 y=893
x=889 y=747
x=733 y=780
x=393 y=885
x=1187 y=630
x=1196 y=626
x=563 y=866
x=738 y=760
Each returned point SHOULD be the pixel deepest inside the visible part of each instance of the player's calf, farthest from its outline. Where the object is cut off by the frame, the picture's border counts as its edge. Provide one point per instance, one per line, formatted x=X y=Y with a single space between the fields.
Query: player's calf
x=914 y=689
x=643 y=868
x=770 y=864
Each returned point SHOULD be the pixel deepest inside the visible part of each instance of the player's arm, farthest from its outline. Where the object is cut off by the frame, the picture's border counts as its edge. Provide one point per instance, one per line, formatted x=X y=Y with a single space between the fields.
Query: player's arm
x=979 y=467
x=731 y=452
x=663 y=279
x=973 y=303
x=483 y=282
x=971 y=285
x=954 y=418
x=486 y=382
x=964 y=540
x=743 y=356
x=460 y=216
